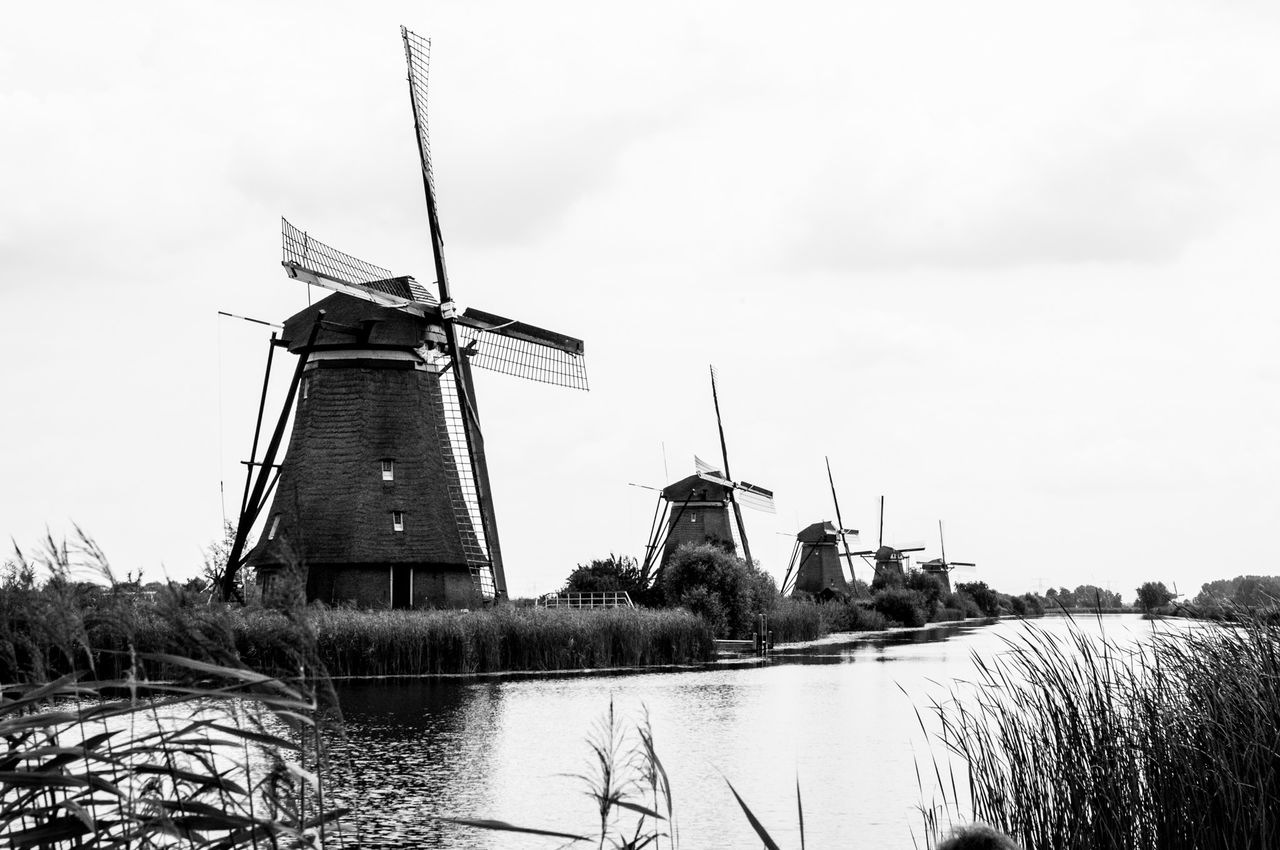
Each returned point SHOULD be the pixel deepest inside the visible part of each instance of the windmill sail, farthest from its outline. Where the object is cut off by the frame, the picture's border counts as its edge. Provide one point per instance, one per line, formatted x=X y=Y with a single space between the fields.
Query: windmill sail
x=526 y=351
x=315 y=262
x=417 y=54
x=757 y=498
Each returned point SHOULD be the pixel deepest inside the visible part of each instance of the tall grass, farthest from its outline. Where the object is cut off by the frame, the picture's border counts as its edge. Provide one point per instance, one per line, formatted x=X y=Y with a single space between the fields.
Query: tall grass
x=166 y=750
x=1081 y=742
x=382 y=643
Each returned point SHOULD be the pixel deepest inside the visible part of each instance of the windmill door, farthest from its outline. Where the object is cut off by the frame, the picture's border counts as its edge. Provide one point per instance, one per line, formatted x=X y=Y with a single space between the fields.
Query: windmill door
x=401 y=586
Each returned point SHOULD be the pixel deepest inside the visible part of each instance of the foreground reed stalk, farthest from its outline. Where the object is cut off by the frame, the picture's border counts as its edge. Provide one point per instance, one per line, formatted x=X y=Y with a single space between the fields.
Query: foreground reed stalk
x=1083 y=743
x=151 y=749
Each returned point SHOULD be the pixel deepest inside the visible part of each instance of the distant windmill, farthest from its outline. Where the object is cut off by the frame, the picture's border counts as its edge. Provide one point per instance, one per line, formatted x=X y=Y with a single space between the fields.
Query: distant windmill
x=941 y=567
x=815 y=568
x=888 y=559
x=383 y=495
x=696 y=509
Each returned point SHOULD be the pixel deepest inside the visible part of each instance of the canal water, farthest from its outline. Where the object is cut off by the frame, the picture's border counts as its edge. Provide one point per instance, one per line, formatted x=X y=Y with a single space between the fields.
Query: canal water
x=840 y=716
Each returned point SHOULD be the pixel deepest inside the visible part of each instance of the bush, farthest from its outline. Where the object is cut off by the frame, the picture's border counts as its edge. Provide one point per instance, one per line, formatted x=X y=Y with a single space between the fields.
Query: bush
x=719 y=587
x=901 y=605
x=851 y=616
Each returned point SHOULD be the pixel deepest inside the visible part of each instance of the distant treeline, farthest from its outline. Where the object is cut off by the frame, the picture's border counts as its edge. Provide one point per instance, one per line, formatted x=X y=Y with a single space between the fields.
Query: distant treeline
x=1241 y=591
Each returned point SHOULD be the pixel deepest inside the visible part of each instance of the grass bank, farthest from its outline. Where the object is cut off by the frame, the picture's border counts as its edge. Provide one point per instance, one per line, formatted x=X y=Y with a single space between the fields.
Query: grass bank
x=1082 y=743
x=52 y=631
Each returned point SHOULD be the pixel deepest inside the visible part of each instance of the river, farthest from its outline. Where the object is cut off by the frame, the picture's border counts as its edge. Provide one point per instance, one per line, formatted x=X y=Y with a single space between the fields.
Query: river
x=840 y=716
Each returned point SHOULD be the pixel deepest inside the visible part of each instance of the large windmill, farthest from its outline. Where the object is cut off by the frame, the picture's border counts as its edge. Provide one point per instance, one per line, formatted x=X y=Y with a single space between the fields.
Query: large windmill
x=383 y=496
x=887 y=559
x=941 y=567
x=816 y=568
x=697 y=509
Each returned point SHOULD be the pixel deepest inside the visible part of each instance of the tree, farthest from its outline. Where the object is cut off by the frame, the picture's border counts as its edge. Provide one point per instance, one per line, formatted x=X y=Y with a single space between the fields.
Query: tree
x=614 y=573
x=1153 y=595
x=215 y=559
x=988 y=600
x=1092 y=597
x=928 y=586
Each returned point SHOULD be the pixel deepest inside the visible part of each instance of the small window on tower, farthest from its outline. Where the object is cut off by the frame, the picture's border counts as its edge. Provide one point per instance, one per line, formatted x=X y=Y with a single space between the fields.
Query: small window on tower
x=306 y=382
x=693 y=516
x=397 y=520
x=275 y=523
x=388 y=470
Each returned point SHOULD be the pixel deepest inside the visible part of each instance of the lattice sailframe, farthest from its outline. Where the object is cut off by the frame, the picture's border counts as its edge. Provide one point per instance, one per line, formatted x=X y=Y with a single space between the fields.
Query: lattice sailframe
x=417 y=54
x=302 y=251
x=499 y=352
x=464 y=495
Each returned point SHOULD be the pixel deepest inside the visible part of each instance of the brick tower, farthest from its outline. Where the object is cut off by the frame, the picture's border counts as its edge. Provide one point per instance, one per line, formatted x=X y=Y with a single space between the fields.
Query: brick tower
x=698 y=512
x=818 y=569
x=363 y=501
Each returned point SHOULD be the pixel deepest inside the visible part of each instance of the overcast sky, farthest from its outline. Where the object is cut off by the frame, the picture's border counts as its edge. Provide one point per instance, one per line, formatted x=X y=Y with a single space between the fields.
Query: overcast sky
x=1011 y=265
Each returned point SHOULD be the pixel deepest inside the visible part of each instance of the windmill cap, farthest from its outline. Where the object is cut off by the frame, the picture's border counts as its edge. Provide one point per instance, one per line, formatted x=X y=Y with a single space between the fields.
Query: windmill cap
x=701 y=489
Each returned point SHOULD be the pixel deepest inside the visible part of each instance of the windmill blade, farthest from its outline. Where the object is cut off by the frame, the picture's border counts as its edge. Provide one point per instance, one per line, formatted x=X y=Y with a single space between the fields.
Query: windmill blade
x=312 y=261
x=961 y=564
x=910 y=548
x=756 y=498
x=417 y=54
x=724 y=453
x=525 y=351
x=716 y=479
x=701 y=465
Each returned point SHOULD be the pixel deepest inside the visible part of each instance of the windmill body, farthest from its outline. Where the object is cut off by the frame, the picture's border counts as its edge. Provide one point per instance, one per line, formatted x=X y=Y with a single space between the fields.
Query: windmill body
x=365 y=494
x=698 y=512
x=940 y=570
x=818 y=571
x=703 y=508
x=887 y=560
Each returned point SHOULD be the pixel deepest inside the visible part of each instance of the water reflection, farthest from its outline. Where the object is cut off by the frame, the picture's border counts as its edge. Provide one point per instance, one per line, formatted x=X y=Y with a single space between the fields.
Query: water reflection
x=507 y=749
x=410 y=746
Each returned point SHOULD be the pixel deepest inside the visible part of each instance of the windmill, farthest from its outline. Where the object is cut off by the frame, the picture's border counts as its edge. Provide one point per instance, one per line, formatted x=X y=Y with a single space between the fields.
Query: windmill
x=815 y=568
x=888 y=559
x=696 y=509
x=941 y=567
x=383 y=494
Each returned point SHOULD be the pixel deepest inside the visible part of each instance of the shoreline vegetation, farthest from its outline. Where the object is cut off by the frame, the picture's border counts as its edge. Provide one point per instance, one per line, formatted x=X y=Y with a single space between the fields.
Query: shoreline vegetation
x=1084 y=742
x=52 y=624
x=171 y=721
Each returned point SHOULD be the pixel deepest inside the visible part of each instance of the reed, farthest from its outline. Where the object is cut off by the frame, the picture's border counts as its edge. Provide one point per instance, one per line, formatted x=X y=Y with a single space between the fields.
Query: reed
x=791 y=620
x=1081 y=742
x=177 y=750
x=391 y=643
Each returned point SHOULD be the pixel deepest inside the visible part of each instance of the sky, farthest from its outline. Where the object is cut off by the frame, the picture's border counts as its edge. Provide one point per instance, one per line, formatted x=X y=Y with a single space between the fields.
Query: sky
x=1009 y=265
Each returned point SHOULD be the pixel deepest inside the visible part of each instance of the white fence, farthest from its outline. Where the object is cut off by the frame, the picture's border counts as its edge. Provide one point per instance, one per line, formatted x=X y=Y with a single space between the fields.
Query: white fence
x=604 y=599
